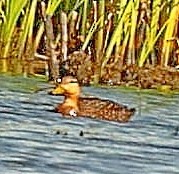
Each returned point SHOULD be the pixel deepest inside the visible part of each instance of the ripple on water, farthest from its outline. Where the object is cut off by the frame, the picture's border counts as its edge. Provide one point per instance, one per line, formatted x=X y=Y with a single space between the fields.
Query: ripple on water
x=35 y=140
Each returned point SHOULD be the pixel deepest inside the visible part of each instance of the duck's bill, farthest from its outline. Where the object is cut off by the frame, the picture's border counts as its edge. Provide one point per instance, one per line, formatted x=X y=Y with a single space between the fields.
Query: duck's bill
x=57 y=91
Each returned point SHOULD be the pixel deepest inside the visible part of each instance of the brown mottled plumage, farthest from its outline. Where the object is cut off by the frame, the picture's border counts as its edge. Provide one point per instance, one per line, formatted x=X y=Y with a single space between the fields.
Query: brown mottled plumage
x=91 y=107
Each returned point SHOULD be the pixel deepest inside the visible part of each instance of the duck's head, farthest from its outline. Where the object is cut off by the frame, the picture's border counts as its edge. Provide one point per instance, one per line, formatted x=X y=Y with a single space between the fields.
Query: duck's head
x=68 y=86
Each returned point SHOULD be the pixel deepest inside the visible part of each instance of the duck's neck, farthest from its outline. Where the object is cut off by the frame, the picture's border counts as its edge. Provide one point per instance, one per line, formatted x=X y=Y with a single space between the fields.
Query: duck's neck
x=71 y=100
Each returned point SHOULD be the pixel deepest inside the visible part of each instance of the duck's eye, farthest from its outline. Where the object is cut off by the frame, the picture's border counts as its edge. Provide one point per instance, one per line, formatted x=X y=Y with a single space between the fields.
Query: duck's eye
x=74 y=81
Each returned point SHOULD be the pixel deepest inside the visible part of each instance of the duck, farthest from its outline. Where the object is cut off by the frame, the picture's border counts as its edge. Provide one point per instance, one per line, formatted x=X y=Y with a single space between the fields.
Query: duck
x=75 y=105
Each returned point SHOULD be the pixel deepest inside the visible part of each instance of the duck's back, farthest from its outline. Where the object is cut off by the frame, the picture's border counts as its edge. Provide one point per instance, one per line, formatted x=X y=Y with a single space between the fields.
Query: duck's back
x=104 y=109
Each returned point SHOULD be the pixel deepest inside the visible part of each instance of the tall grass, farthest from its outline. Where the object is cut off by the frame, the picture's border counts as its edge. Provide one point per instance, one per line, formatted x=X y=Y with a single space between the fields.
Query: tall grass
x=26 y=36
x=144 y=46
x=117 y=34
x=137 y=32
x=171 y=31
x=20 y=14
x=11 y=10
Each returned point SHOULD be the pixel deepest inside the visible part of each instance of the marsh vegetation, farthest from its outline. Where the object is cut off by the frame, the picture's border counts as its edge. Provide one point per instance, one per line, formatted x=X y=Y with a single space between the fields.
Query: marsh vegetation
x=107 y=37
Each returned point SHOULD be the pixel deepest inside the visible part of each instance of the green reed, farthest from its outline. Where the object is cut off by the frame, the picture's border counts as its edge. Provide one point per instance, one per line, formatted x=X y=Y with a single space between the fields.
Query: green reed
x=134 y=32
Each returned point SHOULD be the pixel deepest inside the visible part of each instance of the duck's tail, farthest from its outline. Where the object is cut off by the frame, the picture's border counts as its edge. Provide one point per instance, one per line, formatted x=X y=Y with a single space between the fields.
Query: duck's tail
x=126 y=117
x=132 y=110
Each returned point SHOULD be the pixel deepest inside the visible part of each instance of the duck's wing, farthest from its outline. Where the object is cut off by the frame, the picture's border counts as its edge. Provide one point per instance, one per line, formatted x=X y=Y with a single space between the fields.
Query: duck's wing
x=104 y=109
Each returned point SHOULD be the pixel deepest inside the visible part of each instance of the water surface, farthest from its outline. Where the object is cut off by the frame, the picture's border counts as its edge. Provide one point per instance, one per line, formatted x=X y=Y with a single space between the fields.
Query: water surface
x=35 y=140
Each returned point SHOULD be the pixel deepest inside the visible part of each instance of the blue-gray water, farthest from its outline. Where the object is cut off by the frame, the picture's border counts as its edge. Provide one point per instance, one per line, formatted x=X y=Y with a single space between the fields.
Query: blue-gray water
x=35 y=140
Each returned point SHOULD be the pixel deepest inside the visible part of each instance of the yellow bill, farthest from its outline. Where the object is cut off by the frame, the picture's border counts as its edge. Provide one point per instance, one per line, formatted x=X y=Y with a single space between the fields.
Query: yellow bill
x=57 y=90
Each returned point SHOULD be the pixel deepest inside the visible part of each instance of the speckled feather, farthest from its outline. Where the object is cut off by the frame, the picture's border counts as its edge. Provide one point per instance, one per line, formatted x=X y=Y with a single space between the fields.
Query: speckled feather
x=104 y=109
x=99 y=109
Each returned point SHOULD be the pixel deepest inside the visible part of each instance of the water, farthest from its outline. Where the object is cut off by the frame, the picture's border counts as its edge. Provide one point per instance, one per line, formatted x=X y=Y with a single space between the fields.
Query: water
x=35 y=140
